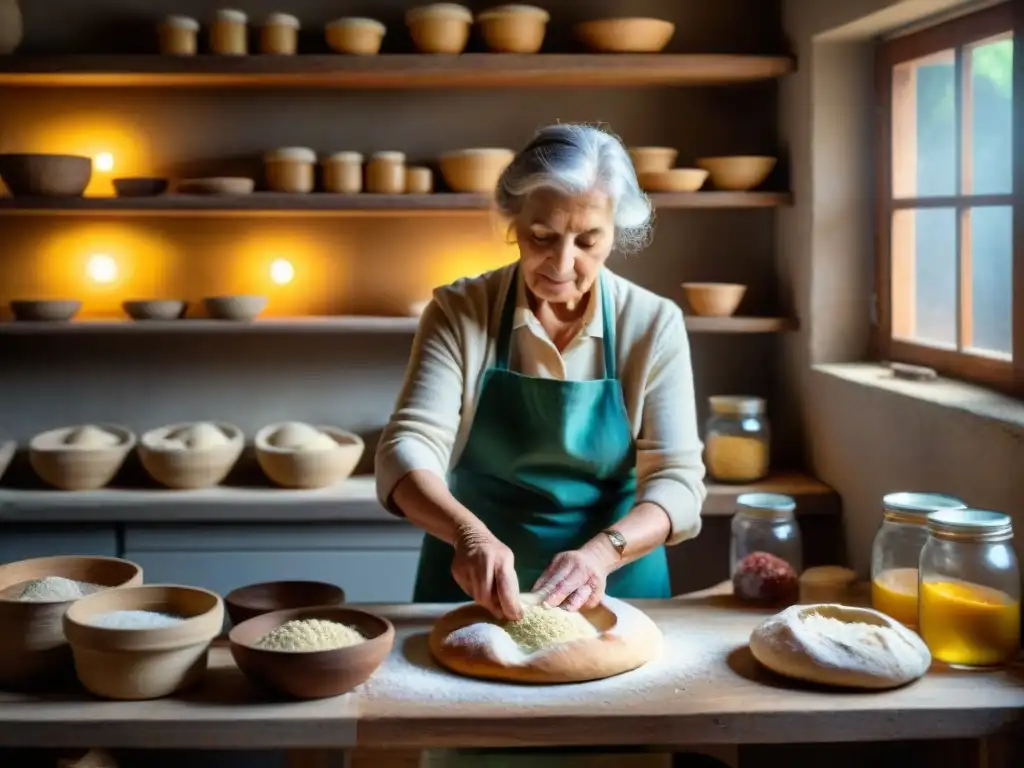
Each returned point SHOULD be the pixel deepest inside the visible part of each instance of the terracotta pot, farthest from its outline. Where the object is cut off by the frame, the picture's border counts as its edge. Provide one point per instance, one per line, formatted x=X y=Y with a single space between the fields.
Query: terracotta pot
x=10 y=26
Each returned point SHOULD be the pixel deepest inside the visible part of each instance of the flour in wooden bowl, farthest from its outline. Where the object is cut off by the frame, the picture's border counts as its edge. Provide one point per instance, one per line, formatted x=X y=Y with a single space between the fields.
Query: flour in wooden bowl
x=306 y=635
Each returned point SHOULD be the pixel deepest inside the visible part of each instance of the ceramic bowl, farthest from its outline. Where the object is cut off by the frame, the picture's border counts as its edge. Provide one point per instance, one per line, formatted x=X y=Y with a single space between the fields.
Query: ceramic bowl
x=475 y=170
x=440 y=27
x=296 y=468
x=33 y=649
x=254 y=600
x=714 y=299
x=217 y=185
x=674 y=180
x=358 y=36
x=739 y=173
x=140 y=187
x=312 y=674
x=138 y=664
x=78 y=468
x=513 y=28
x=652 y=159
x=189 y=468
x=625 y=35
x=45 y=310
x=46 y=175
x=155 y=309
x=238 y=308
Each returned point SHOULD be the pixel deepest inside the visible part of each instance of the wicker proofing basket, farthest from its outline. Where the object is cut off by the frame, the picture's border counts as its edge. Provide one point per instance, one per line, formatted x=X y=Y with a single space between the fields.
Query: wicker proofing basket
x=190 y=469
x=292 y=468
x=69 y=468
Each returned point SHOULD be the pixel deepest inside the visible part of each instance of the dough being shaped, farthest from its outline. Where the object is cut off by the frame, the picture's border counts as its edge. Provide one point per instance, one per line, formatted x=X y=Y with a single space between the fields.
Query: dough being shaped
x=545 y=646
x=198 y=437
x=91 y=437
x=321 y=441
x=840 y=645
x=292 y=435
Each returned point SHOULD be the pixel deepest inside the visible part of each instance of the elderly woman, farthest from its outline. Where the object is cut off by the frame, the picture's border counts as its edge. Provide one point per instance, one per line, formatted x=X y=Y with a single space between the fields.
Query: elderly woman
x=546 y=437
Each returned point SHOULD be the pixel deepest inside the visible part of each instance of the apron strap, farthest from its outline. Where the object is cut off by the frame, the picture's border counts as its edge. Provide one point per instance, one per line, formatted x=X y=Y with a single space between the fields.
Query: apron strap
x=503 y=351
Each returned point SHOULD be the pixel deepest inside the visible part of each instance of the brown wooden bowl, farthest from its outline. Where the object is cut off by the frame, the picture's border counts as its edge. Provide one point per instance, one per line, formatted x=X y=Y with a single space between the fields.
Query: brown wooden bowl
x=33 y=648
x=254 y=600
x=312 y=674
x=46 y=175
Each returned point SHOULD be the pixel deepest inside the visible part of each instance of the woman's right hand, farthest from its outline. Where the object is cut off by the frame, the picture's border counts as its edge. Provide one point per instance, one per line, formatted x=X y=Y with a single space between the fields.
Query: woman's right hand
x=484 y=568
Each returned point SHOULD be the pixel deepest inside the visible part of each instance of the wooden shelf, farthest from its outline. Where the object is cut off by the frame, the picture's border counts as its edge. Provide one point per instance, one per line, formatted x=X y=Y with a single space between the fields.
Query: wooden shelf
x=394 y=71
x=322 y=204
x=325 y=325
x=353 y=499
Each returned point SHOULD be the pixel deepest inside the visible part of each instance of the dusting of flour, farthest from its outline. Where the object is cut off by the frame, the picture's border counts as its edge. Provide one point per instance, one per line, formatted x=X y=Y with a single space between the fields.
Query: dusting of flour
x=689 y=655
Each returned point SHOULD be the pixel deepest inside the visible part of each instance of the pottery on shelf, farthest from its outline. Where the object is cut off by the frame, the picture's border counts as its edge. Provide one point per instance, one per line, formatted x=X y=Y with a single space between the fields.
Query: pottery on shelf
x=239 y=308
x=45 y=310
x=155 y=309
x=297 y=455
x=80 y=458
x=44 y=175
x=254 y=600
x=189 y=456
x=475 y=170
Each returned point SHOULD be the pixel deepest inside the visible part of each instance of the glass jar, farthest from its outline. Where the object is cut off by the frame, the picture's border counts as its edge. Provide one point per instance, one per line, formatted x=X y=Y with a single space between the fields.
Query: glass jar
x=765 y=549
x=896 y=551
x=970 y=588
x=737 y=439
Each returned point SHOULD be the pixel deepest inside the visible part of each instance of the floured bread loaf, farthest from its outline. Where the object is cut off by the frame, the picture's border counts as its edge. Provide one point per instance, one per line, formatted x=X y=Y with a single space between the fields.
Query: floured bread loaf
x=840 y=645
x=548 y=645
x=292 y=435
x=197 y=437
x=91 y=437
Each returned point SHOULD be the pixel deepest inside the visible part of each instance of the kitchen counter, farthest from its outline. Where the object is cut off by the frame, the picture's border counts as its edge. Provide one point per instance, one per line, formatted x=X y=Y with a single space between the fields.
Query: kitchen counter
x=705 y=689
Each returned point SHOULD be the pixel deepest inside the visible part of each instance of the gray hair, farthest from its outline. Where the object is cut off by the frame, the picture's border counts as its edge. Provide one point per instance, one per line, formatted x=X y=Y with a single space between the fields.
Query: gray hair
x=575 y=159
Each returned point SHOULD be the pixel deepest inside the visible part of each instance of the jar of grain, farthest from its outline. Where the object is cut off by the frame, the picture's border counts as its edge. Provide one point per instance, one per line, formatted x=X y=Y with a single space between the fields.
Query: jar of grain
x=896 y=551
x=280 y=35
x=970 y=588
x=343 y=173
x=765 y=548
x=737 y=439
x=419 y=180
x=291 y=169
x=229 y=33
x=178 y=36
x=385 y=173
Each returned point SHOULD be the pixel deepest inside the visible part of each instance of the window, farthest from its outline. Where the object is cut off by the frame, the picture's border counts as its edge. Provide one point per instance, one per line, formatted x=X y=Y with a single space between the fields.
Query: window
x=950 y=273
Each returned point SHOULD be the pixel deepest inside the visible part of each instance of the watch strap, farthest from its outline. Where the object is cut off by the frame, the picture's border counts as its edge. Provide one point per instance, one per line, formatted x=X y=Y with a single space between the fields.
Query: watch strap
x=617 y=539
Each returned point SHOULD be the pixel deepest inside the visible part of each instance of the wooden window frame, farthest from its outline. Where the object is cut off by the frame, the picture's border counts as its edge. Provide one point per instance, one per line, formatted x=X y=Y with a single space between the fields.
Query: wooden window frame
x=997 y=373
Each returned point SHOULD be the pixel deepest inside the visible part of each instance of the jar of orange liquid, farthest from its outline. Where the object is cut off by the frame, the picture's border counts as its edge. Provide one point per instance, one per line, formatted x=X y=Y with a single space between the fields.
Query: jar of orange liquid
x=896 y=551
x=970 y=588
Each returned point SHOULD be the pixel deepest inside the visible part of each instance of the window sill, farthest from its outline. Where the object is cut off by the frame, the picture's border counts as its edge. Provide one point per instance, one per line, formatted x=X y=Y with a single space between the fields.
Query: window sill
x=944 y=393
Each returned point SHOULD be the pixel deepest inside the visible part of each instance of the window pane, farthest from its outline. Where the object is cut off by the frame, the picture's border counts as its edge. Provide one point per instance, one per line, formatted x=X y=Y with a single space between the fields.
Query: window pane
x=991 y=292
x=924 y=127
x=990 y=117
x=924 y=276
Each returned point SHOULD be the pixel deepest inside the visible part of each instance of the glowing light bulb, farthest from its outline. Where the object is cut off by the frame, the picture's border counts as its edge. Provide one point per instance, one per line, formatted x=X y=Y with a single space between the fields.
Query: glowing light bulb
x=103 y=162
x=282 y=272
x=101 y=268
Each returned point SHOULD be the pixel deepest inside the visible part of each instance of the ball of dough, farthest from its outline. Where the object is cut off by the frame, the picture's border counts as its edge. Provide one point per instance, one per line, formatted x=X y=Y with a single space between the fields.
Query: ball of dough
x=321 y=441
x=292 y=434
x=199 y=436
x=545 y=646
x=840 y=645
x=91 y=437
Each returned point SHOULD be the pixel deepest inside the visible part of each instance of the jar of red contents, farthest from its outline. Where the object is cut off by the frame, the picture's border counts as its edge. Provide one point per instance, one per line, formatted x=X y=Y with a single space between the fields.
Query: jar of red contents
x=765 y=550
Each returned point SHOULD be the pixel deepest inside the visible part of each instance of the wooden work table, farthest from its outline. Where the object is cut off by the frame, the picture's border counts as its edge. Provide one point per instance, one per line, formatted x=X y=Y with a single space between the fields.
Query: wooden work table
x=706 y=689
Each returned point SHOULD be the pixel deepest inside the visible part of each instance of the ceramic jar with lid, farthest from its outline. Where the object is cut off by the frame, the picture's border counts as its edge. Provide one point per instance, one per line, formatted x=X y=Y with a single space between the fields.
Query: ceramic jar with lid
x=291 y=169
x=765 y=548
x=356 y=36
x=737 y=439
x=513 y=28
x=343 y=173
x=178 y=36
x=385 y=173
x=229 y=33
x=419 y=180
x=896 y=551
x=969 y=585
x=440 y=27
x=279 y=35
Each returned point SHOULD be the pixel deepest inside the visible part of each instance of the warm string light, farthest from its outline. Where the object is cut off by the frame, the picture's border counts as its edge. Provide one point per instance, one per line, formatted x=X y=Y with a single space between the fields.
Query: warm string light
x=282 y=272
x=103 y=162
x=101 y=269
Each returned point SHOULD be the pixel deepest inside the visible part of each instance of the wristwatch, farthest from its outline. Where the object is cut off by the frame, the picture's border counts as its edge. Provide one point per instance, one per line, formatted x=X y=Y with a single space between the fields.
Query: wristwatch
x=617 y=539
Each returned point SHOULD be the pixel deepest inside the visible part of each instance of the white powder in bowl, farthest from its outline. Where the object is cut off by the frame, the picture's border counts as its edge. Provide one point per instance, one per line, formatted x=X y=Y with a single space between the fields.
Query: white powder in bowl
x=134 y=620
x=305 y=635
x=54 y=589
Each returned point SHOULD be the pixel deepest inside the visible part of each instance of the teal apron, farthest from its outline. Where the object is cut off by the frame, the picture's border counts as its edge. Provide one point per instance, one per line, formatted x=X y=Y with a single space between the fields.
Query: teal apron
x=547 y=466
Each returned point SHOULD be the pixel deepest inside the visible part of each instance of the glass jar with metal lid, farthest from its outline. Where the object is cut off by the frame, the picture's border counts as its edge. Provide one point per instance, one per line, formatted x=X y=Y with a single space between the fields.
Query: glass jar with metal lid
x=765 y=548
x=970 y=588
x=737 y=439
x=897 y=550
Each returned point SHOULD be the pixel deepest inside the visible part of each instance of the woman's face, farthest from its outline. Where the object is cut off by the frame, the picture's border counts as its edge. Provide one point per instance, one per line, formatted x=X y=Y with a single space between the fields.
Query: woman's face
x=564 y=240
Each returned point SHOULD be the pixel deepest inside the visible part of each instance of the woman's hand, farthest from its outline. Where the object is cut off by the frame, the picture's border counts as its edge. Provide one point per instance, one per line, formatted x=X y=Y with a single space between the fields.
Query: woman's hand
x=576 y=579
x=484 y=568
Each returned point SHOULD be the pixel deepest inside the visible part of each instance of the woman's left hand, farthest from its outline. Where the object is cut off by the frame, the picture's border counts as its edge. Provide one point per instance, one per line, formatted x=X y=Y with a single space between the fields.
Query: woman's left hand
x=575 y=579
